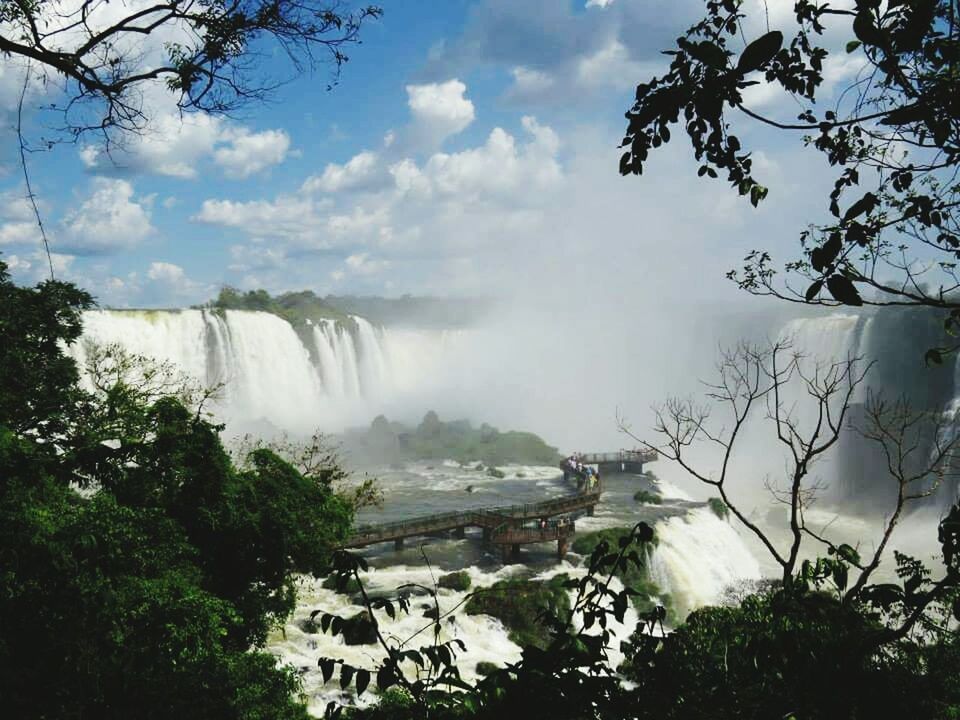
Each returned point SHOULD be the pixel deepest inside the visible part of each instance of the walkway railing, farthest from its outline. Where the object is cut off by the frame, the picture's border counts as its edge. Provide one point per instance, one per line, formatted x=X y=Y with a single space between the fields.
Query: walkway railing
x=489 y=517
x=639 y=456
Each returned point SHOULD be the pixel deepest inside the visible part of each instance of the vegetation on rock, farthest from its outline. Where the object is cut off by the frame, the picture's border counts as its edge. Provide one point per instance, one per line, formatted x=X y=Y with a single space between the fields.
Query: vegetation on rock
x=518 y=604
x=719 y=508
x=459 y=581
x=647 y=497
x=434 y=439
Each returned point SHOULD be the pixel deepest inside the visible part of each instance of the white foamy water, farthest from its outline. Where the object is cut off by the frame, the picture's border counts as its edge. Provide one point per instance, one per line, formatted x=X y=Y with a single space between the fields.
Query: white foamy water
x=328 y=375
x=699 y=557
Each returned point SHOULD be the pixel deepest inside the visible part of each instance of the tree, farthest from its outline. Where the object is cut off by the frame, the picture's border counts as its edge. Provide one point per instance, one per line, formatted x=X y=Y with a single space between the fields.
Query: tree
x=140 y=568
x=893 y=234
x=825 y=639
x=204 y=52
x=761 y=383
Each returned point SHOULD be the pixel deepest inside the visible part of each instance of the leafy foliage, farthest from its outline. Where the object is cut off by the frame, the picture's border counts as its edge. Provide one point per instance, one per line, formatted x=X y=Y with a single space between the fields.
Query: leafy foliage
x=892 y=136
x=718 y=507
x=434 y=439
x=294 y=307
x=208 y=66
x=648 y=498
x=140 y=565
x=459 y=581
x=518 y=603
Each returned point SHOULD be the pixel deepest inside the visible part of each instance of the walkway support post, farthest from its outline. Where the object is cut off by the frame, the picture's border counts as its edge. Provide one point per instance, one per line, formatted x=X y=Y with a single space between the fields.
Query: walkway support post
x=561 y=547
x=398 y=544
x=460 y=532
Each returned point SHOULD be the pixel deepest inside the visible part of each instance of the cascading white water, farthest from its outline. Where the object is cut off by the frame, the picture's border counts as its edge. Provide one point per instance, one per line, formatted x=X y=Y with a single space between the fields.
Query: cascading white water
x=330 y=375
x=372 y=366
x=331 y=372
x=699 y=557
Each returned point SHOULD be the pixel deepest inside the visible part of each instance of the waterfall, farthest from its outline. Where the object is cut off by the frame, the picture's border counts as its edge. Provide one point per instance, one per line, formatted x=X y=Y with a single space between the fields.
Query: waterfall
x=328 y=375
x=893 y=342
x=331 y=371
x=698 y=558
x=372 y=366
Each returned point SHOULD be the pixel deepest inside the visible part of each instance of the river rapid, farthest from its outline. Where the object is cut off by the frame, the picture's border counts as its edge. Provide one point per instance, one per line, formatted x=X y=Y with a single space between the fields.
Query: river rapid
x=699 y=560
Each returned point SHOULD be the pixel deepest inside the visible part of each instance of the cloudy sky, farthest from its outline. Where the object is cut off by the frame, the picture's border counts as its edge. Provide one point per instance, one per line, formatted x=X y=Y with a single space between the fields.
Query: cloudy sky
x=469 y=149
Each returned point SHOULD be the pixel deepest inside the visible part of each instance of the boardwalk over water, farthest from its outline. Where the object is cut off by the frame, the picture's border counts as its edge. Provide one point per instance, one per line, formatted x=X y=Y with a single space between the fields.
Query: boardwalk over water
x=505 y=525
x=513 y=525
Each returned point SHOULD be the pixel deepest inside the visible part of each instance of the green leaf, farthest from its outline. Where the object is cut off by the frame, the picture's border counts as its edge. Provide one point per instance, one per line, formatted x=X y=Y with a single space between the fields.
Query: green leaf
x=840 y=575
x=843 y=290
x=853 y=45
x=848 y=553
x=708 y=53
x=385 y=678
x=760 y=52
x=865 y=204
x=346 y=675
x=363 y=680
x=813 y=290
x=644 y=532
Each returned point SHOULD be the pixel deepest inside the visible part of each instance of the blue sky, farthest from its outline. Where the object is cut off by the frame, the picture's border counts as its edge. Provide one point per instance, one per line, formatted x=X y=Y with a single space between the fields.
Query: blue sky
x=469 y=148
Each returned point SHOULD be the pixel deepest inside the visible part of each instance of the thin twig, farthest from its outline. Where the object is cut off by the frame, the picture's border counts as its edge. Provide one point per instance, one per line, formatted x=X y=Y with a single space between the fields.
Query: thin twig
x=26 y=174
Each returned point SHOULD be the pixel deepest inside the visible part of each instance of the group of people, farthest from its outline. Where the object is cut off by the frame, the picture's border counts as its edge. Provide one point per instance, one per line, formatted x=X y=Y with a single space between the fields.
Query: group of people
x=589 y=476
x=544 y=523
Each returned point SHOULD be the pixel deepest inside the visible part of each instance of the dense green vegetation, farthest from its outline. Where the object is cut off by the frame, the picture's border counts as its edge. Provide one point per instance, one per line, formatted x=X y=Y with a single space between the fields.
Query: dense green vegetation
x=647 y=497
x=635 y=576
x=459 y=581
x=298 y=307
x=458 y=440
x=294 y=307
x=486 y=668
x=141 y=568
x=801 y=656
x=518 y=603
x=719 y=508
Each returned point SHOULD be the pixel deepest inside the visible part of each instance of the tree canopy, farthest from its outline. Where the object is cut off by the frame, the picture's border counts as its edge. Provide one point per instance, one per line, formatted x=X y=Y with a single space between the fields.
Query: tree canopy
x=206 y=53
x=138 y=564
x=890 y=235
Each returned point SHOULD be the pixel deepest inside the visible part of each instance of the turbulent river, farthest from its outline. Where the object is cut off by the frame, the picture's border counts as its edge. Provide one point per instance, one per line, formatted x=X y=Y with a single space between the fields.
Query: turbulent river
x=699 y=559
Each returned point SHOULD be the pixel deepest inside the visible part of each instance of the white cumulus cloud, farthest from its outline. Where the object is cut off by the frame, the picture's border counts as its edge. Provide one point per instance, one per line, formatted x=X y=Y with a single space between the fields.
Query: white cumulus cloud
x=247 y=153
x=439 y=110
x=108 y=220
x=359 y=171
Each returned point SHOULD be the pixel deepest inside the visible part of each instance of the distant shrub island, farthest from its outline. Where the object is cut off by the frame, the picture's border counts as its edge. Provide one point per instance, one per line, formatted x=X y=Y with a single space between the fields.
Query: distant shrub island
x=299 y=307
x=294 y=307
x=459 y=440
x=647 y=497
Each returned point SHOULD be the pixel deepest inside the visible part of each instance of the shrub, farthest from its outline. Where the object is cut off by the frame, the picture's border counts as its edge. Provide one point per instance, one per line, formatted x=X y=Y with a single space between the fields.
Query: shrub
x=518 y=603
x=719 y=508
x=459 y=581
x=647 y=497
x=486 y=668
